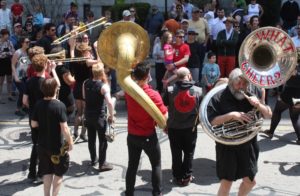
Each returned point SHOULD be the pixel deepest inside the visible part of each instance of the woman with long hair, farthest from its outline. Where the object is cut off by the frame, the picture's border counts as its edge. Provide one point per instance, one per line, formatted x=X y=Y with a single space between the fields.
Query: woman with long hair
x=19 y=68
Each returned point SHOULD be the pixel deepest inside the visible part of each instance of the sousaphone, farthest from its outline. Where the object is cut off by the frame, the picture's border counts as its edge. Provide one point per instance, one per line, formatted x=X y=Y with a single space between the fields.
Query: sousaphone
x=121 y=46
x=267 y=59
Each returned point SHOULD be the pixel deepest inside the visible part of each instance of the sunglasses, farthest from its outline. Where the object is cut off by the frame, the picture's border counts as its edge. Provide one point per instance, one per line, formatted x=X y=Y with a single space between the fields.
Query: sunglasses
x=191 y=34
x=52 y=30
x=180 y=36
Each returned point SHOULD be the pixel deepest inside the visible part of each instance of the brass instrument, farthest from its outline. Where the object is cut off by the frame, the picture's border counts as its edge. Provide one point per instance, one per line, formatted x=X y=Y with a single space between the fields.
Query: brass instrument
x=61 y=57
x=63 y=150
x=57 y=57
x=121 y=46
x=80 y=29
x=267 y=59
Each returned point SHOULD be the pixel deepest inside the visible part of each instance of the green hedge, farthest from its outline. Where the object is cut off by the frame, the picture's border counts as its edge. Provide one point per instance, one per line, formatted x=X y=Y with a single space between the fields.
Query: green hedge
x=142 y=10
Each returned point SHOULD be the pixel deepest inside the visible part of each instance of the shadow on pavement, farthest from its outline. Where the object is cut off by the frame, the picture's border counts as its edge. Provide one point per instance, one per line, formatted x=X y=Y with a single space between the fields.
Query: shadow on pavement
x=13 y=166
x=265 y=144
x=77 y=170
x=15 y=187
x=205 y=171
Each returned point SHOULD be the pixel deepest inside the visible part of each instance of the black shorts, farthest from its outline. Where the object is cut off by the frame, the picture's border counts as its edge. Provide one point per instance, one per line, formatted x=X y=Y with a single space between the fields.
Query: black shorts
x=288 y=93
x=236 y=162
x=47 y=167
x=5 y=67
x=77 y=92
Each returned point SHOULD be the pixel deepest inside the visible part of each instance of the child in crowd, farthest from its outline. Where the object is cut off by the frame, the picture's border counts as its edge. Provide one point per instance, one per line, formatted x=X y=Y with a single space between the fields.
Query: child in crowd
x=210 y=72
x=169 y=51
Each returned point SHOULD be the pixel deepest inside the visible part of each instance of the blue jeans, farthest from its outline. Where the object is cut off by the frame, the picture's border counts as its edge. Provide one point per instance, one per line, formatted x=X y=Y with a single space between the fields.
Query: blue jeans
x=21 y=88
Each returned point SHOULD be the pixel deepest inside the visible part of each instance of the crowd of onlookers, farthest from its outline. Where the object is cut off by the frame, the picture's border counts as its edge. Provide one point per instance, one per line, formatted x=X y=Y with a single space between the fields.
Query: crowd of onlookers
x=205 y=23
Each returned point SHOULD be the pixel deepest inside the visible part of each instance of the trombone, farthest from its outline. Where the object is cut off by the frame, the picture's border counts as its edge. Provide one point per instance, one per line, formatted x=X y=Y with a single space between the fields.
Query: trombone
x=56 y=57
x=61 y=57
x=80 y=29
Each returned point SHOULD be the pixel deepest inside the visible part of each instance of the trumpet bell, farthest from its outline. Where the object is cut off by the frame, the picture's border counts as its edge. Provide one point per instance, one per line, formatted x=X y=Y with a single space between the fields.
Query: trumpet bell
x=268 y=57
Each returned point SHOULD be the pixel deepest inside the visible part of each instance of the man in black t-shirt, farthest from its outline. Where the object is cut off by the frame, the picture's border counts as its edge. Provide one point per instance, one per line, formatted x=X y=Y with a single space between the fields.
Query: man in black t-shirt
x=31 y=96
x=236 y=161
x=49 y=116
x=48 y=38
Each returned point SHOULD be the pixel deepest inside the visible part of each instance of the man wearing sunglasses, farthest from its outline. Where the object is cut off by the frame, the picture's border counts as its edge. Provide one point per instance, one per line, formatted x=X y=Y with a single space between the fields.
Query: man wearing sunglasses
x=181 y=55
x=48 y=38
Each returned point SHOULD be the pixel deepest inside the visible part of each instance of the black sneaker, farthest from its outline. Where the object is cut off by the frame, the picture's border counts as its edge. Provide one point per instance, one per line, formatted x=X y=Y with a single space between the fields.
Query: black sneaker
x=105 y=167
x=298 y=141
x=268 y=134
x=31 y=176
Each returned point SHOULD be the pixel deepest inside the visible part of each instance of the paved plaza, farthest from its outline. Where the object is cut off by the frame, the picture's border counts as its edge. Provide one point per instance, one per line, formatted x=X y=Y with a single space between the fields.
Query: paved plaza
x=279 y=163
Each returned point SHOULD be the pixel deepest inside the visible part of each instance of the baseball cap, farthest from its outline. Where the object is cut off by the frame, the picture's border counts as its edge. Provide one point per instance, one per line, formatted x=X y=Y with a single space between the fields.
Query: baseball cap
x=184 y=20
x=195 y=9
x=126 y=13
x=192 y=30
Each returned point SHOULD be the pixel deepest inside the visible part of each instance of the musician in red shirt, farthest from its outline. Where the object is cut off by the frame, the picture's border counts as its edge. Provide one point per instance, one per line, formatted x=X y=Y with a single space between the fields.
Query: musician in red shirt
x=141 y=133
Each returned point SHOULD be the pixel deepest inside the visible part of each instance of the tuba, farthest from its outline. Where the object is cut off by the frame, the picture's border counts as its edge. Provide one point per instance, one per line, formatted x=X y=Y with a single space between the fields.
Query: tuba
x=267 y=59
x=121 y=46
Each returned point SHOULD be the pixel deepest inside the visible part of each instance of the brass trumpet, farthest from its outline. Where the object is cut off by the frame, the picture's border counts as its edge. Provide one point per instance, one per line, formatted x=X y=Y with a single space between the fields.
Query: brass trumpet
x=80 y=29
x=63 y=150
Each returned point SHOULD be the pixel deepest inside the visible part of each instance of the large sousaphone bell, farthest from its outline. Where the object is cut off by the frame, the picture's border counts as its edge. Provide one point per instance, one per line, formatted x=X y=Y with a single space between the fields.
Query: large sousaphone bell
x=267 y=59
x=121 y=46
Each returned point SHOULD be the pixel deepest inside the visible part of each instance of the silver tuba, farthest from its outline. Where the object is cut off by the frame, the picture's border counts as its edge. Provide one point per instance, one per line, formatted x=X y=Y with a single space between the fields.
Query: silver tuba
x=267 y=59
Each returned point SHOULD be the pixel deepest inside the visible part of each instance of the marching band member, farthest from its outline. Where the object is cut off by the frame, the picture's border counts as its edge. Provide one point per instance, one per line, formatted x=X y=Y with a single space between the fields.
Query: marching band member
x=183 y=99
x=96 y=93
x=141 y=133
x=32 y=95
x=50 y=117
x=236 y=161
x=81 y=72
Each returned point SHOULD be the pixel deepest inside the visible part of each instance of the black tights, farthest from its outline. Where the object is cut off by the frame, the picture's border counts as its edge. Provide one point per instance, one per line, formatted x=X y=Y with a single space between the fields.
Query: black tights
x=294 y=115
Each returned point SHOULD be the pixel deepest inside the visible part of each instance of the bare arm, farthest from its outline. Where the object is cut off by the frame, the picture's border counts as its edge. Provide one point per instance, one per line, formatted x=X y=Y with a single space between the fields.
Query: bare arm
x=68 y=78
x=66 y=132
x=25 y=100
x=34 y=124
x=239 y=116
x=106 y=92
x=185 y=59
x=13 y=66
